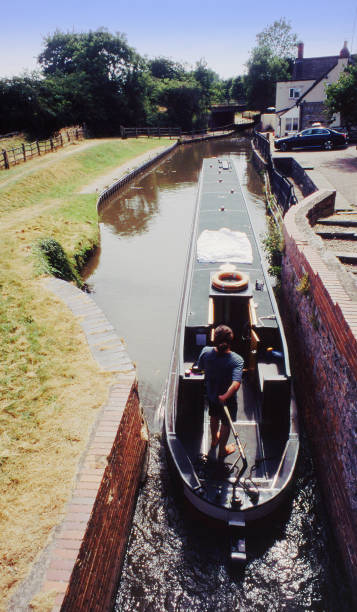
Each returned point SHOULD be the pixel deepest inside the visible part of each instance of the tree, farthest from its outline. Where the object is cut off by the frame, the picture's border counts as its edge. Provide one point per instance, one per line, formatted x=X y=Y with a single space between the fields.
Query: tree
x=100 y=74
x=279 y=38
x=30 y=103
x=182 y=99
x=99 y=53
x=342 y=96
x=165 y=68
x=270 y=61
x=264 y=70
x=238 y=88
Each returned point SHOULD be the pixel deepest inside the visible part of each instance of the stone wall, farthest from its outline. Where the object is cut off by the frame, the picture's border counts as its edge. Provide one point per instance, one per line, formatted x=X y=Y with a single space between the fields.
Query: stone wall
x=320 y=314
x=310 y=112
x=291 y=168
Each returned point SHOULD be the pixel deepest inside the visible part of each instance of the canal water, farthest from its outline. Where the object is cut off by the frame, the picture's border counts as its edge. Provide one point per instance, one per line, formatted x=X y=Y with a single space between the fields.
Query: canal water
x=173 y=563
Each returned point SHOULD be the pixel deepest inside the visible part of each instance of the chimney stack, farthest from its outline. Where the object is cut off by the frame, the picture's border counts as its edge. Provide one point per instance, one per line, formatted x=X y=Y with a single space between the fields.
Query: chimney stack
x=344 y=51
x=300 y=47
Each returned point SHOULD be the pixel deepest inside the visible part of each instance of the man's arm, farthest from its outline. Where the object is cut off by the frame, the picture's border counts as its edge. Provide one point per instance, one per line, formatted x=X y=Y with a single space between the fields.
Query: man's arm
x=230 y=391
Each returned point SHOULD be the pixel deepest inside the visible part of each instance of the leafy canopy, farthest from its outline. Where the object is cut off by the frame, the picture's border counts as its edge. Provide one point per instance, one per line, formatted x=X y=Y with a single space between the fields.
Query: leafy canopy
x=99 y=54
x=264 y=70
x=279 y=38
x=269 y=62
x=342 y=96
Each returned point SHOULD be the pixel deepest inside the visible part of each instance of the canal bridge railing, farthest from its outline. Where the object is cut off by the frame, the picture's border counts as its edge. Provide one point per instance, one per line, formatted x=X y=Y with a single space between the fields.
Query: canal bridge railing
x=281 y=187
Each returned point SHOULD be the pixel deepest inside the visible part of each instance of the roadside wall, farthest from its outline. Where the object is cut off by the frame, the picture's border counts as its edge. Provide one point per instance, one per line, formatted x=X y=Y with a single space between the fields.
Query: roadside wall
x=321 y=324
x=291 y=168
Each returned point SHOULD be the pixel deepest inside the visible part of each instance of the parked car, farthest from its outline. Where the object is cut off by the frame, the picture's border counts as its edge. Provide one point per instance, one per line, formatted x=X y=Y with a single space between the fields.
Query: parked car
x=314 y=137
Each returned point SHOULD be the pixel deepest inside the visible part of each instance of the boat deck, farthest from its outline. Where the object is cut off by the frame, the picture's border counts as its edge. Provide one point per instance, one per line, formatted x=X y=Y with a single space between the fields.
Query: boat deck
x=220 y=188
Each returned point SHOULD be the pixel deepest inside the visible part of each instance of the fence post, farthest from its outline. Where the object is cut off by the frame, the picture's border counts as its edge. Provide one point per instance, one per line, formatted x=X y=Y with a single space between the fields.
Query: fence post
x=38 y=148
x=6 y=159
x=51 y=144
x=23 y=151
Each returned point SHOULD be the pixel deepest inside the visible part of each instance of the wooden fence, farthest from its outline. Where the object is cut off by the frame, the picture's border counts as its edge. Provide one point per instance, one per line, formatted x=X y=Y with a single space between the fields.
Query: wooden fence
x=18 y=155
x=150 y=132
x=175 y=132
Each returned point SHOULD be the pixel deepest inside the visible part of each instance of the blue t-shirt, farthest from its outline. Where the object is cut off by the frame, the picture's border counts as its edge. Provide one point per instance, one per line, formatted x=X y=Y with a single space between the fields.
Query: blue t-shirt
x=220 y=369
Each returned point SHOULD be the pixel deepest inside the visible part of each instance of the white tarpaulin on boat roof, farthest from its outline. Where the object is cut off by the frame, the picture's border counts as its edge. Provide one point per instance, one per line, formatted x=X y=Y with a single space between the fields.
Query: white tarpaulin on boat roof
x=223 y=245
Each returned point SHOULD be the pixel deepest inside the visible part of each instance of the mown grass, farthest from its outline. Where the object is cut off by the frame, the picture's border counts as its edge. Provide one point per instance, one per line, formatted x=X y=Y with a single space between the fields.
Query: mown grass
x=50 y=388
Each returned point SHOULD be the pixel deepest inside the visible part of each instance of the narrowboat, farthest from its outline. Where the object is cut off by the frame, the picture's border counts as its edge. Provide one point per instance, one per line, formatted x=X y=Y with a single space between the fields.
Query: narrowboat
x=226 y=282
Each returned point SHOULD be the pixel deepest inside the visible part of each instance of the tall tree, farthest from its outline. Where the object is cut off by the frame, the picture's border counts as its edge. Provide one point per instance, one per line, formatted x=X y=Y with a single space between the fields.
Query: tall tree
x=269 y=61
x=104 y=71
x=279 y=38
x=264 y=70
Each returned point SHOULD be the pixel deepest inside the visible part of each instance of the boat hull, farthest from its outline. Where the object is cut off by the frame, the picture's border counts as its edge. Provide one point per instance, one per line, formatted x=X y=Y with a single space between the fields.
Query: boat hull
x=235 y=491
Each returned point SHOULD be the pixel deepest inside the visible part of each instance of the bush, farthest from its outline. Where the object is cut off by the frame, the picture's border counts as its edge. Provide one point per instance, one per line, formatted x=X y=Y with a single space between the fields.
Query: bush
x=273 y=244
x=55 y=261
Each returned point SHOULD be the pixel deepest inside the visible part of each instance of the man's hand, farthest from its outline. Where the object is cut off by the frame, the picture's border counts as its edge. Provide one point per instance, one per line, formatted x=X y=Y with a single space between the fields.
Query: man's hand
x=230 y=391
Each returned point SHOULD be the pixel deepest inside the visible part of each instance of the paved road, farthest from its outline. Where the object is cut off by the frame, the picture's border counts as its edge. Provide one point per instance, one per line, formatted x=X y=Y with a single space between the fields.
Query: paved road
x=335 y=169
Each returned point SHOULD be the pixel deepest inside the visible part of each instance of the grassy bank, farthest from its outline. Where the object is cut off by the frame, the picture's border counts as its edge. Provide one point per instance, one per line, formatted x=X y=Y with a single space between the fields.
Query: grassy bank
x=48 y=399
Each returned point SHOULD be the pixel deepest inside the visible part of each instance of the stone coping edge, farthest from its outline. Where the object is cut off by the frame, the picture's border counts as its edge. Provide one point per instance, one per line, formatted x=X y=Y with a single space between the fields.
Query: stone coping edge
x=296 y=227
x=124 y=180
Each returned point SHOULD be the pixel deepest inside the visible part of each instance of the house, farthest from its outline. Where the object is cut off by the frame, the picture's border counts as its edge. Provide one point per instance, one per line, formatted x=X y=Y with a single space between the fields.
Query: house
x=299 y=101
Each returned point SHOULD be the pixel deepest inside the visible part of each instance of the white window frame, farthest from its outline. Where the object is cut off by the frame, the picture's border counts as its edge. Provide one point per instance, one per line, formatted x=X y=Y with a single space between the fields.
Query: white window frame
x=292 y=124
x=294 y=93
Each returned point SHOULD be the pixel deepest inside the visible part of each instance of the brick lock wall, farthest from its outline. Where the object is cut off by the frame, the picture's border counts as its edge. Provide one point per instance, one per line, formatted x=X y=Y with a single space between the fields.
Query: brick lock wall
x=321 y=326
x=94 y=579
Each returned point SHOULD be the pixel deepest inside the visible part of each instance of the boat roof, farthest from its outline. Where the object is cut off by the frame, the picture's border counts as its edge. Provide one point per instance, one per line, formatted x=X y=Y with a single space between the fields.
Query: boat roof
x=222 y=204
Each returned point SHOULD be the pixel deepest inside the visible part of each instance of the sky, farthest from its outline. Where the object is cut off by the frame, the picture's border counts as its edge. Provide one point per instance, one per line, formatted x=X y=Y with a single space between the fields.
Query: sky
x=222 y=32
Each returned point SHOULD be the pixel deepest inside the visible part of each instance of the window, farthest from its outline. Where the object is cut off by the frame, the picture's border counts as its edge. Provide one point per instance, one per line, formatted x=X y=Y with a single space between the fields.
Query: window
x=292 y=124
x=294 y=93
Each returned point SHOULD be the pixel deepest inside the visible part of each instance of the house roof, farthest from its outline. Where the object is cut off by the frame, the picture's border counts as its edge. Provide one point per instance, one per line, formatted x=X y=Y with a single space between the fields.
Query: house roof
x=313 y=68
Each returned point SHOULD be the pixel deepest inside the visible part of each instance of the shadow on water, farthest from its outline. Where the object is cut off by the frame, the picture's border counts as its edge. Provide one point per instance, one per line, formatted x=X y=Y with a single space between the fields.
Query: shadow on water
x=173 y=562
